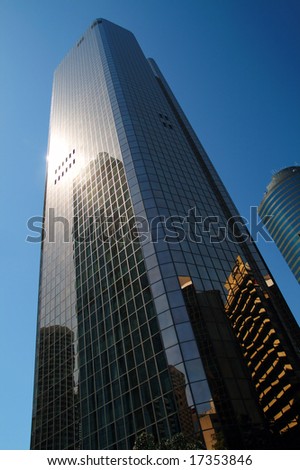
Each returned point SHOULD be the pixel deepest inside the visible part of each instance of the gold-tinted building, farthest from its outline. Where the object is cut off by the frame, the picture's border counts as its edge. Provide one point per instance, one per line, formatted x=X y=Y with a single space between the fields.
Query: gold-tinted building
x=265 y=348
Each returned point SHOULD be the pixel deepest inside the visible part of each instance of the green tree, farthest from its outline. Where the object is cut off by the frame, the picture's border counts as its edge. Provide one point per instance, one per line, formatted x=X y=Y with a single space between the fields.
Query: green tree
x=146 y=441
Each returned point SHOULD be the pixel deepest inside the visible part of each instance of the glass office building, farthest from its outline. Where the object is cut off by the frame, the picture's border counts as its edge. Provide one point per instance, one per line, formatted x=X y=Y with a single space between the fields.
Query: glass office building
x=280 y=212
x=141 y=318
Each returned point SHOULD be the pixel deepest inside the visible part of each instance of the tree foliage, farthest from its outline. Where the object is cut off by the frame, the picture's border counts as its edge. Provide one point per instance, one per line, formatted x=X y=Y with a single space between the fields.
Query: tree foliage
x=146 y=441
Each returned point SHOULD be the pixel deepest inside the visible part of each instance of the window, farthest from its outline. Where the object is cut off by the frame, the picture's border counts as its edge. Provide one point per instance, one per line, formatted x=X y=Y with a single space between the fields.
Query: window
x=165 y=121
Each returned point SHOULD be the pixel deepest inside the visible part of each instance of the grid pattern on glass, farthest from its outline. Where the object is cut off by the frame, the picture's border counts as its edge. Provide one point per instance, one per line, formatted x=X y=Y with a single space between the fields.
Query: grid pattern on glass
x=57 y=400
x=125 y=385
x=163 y=172
x=79 y=101
x=169 y=173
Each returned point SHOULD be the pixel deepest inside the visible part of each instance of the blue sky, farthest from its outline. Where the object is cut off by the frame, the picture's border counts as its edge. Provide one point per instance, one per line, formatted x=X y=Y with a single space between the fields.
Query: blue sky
x=234 y=66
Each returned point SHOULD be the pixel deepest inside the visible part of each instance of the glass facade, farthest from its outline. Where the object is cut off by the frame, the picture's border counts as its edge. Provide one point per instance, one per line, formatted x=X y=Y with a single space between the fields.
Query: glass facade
x=280 y=212
x=136 y=328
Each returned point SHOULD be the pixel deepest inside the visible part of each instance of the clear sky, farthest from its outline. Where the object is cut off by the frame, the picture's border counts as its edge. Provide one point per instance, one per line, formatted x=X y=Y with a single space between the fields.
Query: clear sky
x=234 y=66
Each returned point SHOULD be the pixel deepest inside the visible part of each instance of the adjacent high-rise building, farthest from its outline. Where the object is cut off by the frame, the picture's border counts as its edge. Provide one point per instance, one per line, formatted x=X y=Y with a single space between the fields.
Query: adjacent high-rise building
x=156 y=311
x=253 y=320
x=280 y=212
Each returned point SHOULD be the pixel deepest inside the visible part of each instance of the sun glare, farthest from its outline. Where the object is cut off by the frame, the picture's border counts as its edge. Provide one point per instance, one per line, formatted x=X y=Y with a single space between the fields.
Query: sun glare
x=57 y=150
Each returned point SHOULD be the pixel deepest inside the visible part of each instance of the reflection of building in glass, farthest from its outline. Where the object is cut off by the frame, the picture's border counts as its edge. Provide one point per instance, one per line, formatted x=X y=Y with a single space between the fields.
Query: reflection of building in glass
x=280 y=212
x=185 y=413
x=211 y=429
x=119 y=342
x=123 y=163
x=56 y=412
x=233 y=402
x=267 y=350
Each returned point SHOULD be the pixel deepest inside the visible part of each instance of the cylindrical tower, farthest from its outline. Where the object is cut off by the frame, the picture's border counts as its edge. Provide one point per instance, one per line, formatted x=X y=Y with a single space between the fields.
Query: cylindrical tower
x=280 y=212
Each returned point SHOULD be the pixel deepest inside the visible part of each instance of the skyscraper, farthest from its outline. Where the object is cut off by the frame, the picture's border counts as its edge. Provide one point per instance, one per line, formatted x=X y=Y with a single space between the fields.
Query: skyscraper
x=280 y=212
x=254 y=324
x=140 y=243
